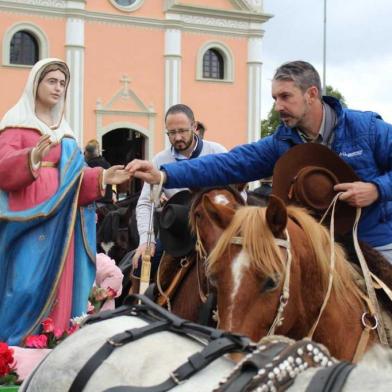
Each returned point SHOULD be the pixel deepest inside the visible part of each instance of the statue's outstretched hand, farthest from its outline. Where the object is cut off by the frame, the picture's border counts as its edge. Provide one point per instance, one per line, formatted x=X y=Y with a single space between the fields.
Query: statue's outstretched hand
x=115 y=175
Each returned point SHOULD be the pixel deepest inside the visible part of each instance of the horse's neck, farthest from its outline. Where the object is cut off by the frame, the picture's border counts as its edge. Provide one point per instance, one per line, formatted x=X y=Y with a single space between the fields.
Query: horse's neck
x=307 y=276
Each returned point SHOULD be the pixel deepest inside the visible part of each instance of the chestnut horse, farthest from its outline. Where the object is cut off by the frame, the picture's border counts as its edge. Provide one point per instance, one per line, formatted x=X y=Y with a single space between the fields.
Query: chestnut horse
x=272 y=272
x=188 y=294
x=189 y=297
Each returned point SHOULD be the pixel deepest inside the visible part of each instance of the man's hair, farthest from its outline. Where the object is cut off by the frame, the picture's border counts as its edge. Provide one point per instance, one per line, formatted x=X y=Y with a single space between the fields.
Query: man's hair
x=302 y=73
x=181 y=108
x=200 y=127
x=92 y=149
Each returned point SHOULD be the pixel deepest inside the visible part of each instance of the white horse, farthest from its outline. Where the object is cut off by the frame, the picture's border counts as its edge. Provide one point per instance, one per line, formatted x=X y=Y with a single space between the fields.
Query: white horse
x=373 y=373
x=144 y=362
x=150 y=360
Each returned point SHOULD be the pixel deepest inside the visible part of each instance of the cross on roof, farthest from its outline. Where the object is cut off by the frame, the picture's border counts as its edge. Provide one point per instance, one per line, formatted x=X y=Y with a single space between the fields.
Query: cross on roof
x=125 y=80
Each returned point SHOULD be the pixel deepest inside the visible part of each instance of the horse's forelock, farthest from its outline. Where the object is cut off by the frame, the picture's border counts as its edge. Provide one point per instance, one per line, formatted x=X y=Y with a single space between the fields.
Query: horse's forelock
x=258 y=242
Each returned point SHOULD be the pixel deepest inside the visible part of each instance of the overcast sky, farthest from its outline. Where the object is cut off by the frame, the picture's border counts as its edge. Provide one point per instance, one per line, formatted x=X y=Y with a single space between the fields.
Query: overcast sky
x=359 y=47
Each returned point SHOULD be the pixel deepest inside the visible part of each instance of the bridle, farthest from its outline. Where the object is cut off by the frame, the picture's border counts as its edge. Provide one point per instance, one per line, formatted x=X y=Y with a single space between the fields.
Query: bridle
x=285 y=294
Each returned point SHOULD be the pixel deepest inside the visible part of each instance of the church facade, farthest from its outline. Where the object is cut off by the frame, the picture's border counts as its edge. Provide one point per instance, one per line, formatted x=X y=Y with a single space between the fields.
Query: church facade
x=130 y=60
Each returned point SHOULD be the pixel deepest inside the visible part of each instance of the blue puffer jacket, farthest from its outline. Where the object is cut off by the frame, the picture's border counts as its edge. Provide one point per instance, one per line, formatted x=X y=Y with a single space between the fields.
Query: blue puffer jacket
x=362 y=139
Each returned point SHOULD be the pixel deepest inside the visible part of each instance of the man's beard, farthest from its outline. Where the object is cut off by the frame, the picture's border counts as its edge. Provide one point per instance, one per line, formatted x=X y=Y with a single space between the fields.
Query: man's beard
x=184 y=145
x=294 y=121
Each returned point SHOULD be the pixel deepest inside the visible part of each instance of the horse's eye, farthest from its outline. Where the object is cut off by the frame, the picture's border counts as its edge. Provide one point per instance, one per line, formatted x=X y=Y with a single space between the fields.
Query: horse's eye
x=269 y=283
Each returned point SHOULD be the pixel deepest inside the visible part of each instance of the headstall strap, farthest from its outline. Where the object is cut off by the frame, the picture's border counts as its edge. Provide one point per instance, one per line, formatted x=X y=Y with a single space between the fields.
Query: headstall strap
x=274 y=366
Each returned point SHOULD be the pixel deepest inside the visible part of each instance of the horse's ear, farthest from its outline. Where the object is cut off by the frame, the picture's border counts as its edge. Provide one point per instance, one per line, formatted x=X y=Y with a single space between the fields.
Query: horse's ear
x=220 y=214
x=276 y=215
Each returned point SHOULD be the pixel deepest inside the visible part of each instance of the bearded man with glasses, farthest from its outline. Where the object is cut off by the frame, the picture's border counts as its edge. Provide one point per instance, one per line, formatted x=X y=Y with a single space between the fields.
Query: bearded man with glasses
x=185 y=144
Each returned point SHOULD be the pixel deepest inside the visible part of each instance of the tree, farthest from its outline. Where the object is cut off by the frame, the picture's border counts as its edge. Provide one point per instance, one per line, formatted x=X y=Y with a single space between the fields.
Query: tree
x=269 y=124
x=330 y=91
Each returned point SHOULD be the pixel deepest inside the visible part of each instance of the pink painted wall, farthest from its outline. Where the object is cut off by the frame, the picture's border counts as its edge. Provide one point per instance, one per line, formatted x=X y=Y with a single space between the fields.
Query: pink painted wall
x=135 y=52
x=13 y=79
x=149 y=8
x=221 y=105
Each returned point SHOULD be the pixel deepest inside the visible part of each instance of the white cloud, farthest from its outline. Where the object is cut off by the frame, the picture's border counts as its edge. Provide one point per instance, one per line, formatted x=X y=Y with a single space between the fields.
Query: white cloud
x=359 y=56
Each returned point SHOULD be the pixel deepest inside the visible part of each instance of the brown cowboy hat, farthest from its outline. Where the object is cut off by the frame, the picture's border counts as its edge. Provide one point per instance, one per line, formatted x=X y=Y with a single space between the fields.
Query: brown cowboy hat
x=174 y=231
x=306 y=175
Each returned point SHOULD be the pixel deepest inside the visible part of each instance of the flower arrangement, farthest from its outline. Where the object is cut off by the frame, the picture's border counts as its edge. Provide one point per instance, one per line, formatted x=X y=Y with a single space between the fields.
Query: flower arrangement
x=98 y=297
x=8 y=374
x=50 y=336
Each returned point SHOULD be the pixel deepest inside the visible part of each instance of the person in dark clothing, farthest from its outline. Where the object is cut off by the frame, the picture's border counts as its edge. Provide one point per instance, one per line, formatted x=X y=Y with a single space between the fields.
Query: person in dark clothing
x=93 y=158
x=265 y=187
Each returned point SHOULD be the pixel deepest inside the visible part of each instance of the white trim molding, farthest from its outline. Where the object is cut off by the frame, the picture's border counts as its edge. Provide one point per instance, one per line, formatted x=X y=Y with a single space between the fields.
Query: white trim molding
x=254 y=87
x=74 y=45
x=127 y=8
x=228 y=62
x=147 y=133
x=39 y=35
x=136 y=109
x=173 y=62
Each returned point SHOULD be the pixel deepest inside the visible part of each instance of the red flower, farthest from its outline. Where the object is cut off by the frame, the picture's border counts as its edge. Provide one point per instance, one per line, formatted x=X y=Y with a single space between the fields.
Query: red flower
x=73 y=328
x=47 y=325
x=6 y=359
x=111 y=293
x=36 y=341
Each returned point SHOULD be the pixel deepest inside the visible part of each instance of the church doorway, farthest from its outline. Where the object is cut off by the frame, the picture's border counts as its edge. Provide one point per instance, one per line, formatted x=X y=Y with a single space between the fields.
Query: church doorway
x=121 y=146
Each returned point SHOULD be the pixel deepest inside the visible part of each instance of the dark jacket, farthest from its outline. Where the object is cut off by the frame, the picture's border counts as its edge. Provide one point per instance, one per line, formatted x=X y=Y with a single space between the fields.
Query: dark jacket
x=102 y=162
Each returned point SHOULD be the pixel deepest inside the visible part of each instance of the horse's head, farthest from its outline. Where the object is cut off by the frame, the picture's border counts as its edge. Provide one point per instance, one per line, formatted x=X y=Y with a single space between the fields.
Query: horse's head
x=272 y=271
x=205 y=222
x=247 y=266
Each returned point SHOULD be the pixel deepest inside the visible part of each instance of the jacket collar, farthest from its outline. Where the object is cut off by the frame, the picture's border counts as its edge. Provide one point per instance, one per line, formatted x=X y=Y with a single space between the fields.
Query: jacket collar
x=290 y=135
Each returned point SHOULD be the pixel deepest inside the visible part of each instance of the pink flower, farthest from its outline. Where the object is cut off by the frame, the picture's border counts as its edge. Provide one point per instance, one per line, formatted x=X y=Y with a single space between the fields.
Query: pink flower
x=58 y=332
x=36 y=341
x=48 y=325
x=73 y=328
x=111 y=293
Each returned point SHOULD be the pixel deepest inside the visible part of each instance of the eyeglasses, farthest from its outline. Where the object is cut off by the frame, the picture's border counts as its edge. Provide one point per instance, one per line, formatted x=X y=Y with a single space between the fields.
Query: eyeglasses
x=180 y=132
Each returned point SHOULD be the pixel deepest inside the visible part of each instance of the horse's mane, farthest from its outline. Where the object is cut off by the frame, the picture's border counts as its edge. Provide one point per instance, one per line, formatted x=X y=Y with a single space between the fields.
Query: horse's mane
x=258 y=242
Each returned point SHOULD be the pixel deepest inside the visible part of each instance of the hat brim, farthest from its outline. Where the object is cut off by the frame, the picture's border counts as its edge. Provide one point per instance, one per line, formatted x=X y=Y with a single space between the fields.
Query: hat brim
x=311 y=154
x=180 y=244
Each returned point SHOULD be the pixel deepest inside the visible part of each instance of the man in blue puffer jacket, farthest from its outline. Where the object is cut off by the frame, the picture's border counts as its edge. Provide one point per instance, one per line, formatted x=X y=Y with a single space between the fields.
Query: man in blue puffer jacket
x=362 y=139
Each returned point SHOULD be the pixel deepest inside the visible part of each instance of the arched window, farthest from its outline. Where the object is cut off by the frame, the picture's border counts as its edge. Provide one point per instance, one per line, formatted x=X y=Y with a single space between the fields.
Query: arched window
x=24 y=48
x=213 y=65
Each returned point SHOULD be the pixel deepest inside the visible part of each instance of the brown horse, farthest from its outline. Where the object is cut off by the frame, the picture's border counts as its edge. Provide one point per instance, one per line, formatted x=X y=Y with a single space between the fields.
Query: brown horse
x=271 y=268
x=188 y=294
